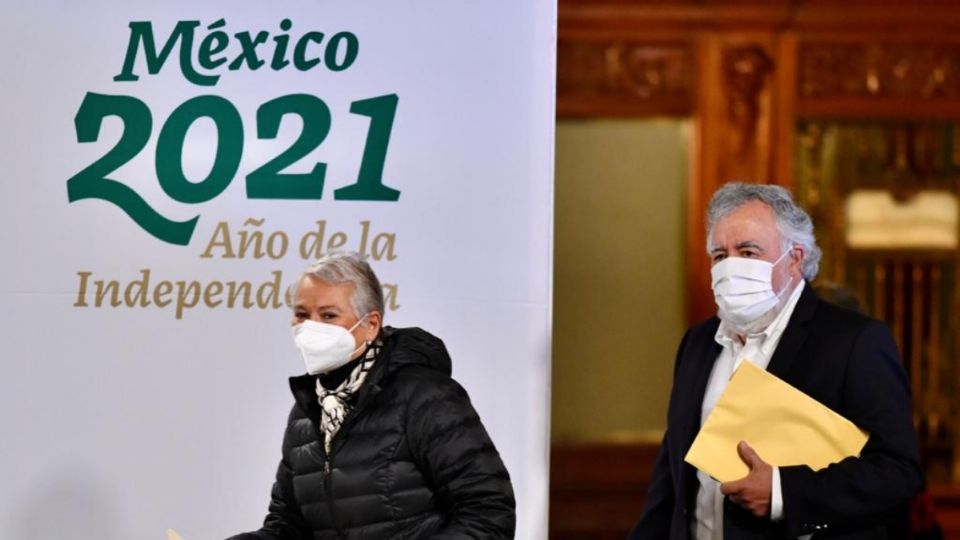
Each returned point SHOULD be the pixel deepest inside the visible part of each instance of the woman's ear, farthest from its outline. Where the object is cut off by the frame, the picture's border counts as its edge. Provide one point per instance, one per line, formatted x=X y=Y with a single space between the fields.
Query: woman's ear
x=372 y=326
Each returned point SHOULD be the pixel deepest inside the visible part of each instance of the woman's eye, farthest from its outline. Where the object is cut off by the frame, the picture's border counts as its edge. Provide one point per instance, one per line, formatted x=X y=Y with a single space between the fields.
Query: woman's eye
x=328 y=316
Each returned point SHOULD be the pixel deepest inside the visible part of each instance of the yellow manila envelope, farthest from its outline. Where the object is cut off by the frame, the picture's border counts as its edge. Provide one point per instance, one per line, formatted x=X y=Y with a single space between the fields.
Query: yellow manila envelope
x=784 y=426
x=172 y=535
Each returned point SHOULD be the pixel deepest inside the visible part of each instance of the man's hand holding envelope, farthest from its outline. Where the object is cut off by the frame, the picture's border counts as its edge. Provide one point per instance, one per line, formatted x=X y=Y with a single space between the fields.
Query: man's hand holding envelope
x=753 y=491
x=780 y=423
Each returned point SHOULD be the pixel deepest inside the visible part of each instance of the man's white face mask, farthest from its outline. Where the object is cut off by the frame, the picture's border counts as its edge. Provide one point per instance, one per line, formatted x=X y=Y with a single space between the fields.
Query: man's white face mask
x=743 y=289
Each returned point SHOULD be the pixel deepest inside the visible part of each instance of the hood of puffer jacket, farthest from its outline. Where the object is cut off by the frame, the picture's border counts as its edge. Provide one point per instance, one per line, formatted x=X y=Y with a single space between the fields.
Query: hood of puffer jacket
x=415 y=346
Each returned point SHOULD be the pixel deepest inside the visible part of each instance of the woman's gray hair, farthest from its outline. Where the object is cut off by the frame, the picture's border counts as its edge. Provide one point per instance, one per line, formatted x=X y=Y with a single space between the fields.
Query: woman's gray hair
x=348 y=267
x=795 y=225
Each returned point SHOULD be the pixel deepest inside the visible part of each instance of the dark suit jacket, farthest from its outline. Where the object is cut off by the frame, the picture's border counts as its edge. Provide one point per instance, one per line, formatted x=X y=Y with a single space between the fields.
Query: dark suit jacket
x=842 y=359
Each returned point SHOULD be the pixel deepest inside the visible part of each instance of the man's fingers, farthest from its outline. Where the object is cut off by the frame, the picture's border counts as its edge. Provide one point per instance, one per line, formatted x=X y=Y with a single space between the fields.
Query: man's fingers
x=745 y=491
x=748 y=455
x=729 y=488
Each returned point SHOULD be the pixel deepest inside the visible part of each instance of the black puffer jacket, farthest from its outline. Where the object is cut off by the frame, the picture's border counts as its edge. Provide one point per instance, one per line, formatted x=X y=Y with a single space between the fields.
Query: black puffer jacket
x=411 y=461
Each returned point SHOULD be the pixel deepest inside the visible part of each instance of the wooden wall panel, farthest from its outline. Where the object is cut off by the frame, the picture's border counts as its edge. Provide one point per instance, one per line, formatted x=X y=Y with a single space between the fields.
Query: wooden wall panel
x=597 y=491
x=745 y=71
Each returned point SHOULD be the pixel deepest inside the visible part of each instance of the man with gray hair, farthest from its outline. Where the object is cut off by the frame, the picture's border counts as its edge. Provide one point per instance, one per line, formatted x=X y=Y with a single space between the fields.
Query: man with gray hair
x=763 y=255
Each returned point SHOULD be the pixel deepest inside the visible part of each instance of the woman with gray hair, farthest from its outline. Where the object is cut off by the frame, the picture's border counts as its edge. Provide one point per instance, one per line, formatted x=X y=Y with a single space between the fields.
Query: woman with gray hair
x=381 y=442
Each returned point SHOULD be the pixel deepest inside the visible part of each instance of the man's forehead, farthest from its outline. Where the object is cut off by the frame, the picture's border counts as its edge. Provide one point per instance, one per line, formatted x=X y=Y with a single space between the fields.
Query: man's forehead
x=750 y=224
x=737 y=245
x=745 y=236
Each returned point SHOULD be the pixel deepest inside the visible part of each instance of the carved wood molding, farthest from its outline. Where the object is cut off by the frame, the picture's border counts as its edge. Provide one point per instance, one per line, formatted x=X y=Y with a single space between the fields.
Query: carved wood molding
x=746 y=70
x=921 y=18
x=879 y=70
x=630 y=77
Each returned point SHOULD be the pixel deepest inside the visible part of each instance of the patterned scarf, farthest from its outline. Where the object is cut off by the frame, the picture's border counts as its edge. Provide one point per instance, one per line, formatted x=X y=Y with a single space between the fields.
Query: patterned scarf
x=336 y=403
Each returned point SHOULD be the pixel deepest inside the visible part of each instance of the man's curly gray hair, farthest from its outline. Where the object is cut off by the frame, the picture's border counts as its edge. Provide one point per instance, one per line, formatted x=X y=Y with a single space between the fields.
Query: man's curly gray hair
x=795 y=225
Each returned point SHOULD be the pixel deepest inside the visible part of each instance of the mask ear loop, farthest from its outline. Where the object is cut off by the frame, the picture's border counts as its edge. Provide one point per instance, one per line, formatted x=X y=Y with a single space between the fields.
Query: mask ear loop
x=360 y=320
x=366 y=342
x=789 y=284
x=784 y=254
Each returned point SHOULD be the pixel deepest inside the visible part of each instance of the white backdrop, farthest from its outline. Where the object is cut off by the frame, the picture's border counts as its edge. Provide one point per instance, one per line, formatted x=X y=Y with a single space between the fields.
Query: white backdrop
x=119 y=421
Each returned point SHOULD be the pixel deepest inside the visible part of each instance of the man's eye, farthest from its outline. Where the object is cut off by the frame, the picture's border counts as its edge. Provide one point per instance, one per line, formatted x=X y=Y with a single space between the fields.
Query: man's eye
x=299 y=316
x=328 y=316
x=719 y=257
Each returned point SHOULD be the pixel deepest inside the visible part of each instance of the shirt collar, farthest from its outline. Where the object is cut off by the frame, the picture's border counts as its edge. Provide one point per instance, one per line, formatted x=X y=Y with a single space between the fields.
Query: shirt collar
x=725 y=335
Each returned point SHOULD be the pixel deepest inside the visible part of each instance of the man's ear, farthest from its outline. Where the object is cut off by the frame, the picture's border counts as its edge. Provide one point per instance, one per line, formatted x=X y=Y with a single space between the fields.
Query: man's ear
x=797 y=253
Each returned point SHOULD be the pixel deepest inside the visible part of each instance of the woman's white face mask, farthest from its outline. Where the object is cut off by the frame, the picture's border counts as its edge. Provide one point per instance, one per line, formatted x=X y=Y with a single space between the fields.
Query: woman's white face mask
x=743 y=289
x=325 y=347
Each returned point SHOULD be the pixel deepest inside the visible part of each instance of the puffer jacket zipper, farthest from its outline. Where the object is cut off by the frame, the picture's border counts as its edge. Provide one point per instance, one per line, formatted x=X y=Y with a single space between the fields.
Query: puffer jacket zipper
x=366 y=398
x=328 y=494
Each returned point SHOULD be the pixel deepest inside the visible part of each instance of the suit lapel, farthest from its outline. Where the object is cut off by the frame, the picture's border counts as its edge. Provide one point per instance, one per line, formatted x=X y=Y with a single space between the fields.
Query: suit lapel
x=795 y=334
x=702 y=360
x=705 y=360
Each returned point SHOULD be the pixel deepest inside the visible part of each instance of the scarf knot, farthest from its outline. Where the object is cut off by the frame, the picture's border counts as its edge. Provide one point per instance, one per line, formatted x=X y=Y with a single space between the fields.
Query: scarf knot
x=335 y=403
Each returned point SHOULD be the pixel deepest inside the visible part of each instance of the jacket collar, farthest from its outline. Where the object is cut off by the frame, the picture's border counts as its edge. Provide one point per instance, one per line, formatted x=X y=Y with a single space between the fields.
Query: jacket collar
x=795 y=334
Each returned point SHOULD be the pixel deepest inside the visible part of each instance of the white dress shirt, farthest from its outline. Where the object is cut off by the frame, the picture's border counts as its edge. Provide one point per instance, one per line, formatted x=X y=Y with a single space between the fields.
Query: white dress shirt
x=758 y=349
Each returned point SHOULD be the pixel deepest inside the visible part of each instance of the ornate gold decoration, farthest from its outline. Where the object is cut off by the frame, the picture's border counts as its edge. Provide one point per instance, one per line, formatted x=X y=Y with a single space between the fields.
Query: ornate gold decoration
x=626 y=70
x=745 y=74
x=860 y=175
x=896 y=70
